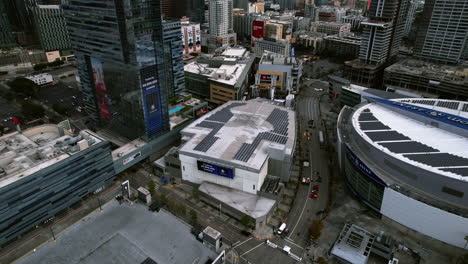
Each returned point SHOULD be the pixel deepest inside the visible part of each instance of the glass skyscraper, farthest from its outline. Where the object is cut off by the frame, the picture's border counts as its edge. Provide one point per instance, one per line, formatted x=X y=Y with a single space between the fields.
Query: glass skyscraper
x=120 y=54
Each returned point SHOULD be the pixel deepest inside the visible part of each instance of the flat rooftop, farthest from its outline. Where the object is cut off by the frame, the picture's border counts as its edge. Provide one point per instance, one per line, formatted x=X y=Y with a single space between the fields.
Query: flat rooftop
x=22 y=154
x=436 y=72
x=354 y=244
x=124 y=234
x=277 y=59
x=242 y=133
x=438 y=150
x=253 y=205
x=226 y=73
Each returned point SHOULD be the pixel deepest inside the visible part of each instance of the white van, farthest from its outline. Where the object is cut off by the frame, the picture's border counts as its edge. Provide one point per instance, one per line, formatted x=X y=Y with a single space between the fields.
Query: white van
x=281 y=228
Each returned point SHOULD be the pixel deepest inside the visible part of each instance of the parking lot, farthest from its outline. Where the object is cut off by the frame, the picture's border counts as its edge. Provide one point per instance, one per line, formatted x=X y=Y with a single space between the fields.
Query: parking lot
x=123 y=234
x=61 y=94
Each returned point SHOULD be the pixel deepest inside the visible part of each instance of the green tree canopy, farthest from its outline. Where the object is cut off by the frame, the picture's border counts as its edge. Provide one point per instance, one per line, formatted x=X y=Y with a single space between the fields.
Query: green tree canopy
x=32 y=109
x=24 y=86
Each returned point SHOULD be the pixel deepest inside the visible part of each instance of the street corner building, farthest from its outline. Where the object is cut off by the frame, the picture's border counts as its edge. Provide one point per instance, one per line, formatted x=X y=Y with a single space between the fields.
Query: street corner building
x=46 y=169
x=407 y=159
x=240 y=154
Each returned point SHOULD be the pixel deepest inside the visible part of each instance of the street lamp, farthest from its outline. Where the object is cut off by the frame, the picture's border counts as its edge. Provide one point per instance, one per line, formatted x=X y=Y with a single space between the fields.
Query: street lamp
x=52 y=232
x=100 y=207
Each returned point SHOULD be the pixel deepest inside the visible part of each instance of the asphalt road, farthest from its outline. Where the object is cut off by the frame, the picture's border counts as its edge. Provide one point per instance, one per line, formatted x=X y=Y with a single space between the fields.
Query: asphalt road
x=306 y=209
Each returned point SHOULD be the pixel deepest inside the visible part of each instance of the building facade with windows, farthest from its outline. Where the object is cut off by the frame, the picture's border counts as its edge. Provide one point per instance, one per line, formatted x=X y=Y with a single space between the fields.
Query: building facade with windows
x=408 y=160
x=122 y=64
x=7 y=38
x=46 y=169
x=443 y=32
x=51 y=28
x=172 y=37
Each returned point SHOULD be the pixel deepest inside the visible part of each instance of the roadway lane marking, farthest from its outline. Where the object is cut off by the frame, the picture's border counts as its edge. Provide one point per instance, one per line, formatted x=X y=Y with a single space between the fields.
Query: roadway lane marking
x=303 y=208
x=292 y=242
x=242 y=242
x=250 y=250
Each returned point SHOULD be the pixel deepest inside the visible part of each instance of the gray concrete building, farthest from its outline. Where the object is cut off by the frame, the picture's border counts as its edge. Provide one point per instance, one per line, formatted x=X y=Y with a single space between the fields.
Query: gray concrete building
x=354 y=20
x=279 y=46
x=381 y=40
x=46 y=169
x=346 y=45
x=444 y=81
x=282 y=72
x=51 y=28
x=443 y=33
x=220 y=78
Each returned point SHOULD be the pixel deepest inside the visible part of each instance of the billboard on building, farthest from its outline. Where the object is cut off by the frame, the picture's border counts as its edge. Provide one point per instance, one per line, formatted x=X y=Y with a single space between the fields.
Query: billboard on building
x=258 y=30
x=215 y=169
x=101 y=90
x=190 y=42
x=197 y=38
x=152 y=100
x=183 y=29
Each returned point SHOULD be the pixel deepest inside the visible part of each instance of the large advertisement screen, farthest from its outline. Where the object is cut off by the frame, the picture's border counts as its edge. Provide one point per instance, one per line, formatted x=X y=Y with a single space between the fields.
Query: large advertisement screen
x=190 y=39
x=151 y=99
x=258 y=30
x=197 y=38
x=215 y=169
x=101 y=90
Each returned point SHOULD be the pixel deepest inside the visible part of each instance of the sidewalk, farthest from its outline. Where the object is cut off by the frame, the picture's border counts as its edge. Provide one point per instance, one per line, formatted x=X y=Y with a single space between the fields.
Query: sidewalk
x=37 y=237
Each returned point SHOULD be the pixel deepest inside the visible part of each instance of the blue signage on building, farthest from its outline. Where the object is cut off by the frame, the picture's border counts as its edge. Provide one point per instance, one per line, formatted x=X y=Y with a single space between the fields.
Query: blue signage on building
x=450 y=119
x=215 y=169
x=362 y=167
x=151 y=100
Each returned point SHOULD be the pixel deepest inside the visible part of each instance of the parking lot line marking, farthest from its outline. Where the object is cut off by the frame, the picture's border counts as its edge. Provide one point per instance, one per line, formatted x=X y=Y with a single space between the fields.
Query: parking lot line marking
x=242 y=242
x=250 y=250
x=292 y=242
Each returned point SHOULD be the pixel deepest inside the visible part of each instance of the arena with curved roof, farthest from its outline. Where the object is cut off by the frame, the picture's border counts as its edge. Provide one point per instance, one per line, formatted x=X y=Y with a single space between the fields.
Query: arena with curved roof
x=408 y=160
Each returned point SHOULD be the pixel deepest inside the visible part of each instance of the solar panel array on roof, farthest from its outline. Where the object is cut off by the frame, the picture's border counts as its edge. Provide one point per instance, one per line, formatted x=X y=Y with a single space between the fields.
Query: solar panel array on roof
x=367 y=117
x=460 y=171
x=386 y=136
x=372 y=126
x=279 y=120
x=465 y=108
x=209 y=139
x=449 y=105
x=422 y=101
x=224 y=114
x=438 y=159
x=246 y=150
x=407 y=147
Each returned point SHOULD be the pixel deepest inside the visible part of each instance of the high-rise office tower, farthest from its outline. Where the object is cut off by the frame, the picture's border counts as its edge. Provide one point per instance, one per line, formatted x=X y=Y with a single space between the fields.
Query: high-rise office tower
x=51 y=28
x=384 y=30
x=221 y=23
x=443 y=32
x=412 y=6
x=381 y=40
x=119 y=48
x=288 y=4
x=175 y=9
x=244 y=4
x=172 y=36
x=21 y=18
x=7 y=38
